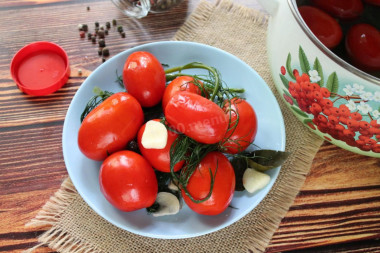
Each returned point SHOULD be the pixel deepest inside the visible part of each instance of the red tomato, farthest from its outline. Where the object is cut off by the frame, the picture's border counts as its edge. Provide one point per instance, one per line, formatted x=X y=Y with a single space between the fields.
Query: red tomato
x=144 y=78
x=243 y=125
x=197 y=117
x=159 y=158
x=199 y=185
x=128 y=181
x=110 y=126
x=363 y=46
x=323 y=26
x=344 y=9
x=181 y=83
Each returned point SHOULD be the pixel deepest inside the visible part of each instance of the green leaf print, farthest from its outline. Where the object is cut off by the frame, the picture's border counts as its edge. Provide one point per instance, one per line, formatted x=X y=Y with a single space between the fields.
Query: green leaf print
x=304 y=62
x=318 y=67
x=289 y=66
x=284 y=81
x=332 y=84
x=299 y=112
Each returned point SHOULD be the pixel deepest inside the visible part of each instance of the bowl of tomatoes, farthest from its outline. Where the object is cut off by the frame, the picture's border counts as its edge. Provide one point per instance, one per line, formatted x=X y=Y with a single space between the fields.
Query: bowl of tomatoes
x=325 y=61
x=173 y=139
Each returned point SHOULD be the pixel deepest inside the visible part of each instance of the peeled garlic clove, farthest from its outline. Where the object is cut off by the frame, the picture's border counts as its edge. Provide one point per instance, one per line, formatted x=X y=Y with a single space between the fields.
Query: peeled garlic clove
x=168 y=204
x=254 y=180
x=155 y=135
x=172 y=186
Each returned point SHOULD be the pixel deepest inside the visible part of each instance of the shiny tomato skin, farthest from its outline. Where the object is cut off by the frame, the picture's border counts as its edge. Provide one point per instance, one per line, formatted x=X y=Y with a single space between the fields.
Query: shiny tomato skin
x=159 y=158
x=128 y=181
x=144 y=78
x=110 y=126
x=181 y=83
x=243 y=125
x=199 y=185
x=343 y=9
x=196 y=117
x=323 y=26
x=363 y=46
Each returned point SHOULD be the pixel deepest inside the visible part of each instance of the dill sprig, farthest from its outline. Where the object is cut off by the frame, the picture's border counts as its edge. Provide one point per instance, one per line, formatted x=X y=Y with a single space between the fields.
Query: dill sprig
x=191 y=152
x=97 y=99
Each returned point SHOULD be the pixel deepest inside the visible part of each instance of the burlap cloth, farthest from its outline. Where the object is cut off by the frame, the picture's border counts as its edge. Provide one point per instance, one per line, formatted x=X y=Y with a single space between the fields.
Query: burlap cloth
x=74 y=227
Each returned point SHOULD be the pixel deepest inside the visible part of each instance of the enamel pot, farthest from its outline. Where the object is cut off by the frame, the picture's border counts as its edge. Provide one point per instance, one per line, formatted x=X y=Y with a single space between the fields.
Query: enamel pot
x=334 y=99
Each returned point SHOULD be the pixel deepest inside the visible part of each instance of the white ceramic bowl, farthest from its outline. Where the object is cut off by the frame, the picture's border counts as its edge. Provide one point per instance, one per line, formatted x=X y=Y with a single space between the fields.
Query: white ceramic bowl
x=84 y=172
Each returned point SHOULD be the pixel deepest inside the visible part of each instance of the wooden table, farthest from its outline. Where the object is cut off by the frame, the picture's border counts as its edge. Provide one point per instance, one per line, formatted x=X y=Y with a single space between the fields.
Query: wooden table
x=337 y=209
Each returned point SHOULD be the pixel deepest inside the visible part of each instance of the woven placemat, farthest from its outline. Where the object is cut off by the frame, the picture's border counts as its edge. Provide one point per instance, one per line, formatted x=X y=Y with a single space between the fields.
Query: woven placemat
x=74 y=227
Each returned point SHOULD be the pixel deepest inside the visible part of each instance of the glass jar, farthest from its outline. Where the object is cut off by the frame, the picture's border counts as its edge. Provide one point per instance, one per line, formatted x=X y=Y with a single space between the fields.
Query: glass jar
x=140 y=8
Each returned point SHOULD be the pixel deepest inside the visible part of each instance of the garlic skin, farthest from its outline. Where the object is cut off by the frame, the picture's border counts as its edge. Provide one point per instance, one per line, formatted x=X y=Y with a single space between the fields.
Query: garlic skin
x=155 y=135
x=168 y=204
x=254 y=180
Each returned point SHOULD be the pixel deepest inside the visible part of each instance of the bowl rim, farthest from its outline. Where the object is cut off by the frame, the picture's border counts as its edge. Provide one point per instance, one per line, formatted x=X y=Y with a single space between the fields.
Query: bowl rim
x=370 y=78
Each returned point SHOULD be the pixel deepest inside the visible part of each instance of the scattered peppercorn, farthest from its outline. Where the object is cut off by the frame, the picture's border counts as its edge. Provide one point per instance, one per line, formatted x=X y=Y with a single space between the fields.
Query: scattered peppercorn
x=96 y=24
x=102 y=43
x=85 y=27
x=114 y=23
x=120 y=29
x=122 y=34
x=105 y=52
x=103 y=59
x=96 y=30
x=89 y=35
x=88 y=8
x=106 y=32
x=93 y=39
x=100 y=52
x=108 y=25
x=82 y=34
x=101 y=34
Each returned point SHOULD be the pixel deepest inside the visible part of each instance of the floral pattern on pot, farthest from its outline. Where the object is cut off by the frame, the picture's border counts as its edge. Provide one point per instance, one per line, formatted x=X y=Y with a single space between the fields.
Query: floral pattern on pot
x=351 y=116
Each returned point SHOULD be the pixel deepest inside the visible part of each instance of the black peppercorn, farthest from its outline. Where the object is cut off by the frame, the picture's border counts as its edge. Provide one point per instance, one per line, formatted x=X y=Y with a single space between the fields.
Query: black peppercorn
x=108 y=25
x=120 y=29
x=89 y=35
x=96 y=24
x=106 y=32
x=103 y=59
x=88 y=8
x=114 y=23
x=85 y=27
x=122 y=34
x=105 y=52
x=101 y=34
x=100 y=52
x=101 y=43
x=93 y=39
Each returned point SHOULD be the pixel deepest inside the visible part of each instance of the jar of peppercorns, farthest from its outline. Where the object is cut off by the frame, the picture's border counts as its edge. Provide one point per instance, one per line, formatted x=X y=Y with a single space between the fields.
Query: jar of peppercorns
x=141 y=8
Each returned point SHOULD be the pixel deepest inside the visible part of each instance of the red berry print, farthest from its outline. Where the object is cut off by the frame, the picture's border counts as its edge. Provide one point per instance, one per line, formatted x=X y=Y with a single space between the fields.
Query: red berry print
x=283 y=70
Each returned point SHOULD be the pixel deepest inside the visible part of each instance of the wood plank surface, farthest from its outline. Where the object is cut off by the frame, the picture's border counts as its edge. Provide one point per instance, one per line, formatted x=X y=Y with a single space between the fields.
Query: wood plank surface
x=337 y=209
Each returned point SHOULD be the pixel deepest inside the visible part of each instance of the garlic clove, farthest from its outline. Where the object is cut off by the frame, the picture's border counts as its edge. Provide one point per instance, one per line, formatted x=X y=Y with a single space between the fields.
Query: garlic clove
x=254 y=180
x=155 y=135
x=168 y=204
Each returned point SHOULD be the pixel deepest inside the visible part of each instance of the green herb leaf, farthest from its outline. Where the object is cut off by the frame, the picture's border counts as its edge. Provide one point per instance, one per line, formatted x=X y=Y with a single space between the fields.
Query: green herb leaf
x=284 y=81
x=95 y=101
x=289 y=66
x=333 y=84
x=318 y=67
x=304 y=62
x=266 y=159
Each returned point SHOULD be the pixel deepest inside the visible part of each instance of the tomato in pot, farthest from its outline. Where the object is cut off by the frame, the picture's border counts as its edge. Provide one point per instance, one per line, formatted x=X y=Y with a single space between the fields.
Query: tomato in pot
x=343 y=9
x=159 y=158
x=242 y=127
x=181 y=83
x=128 y=181
x=322 y=25
x=110 y=126
x=199 y=185
x=197 y=117
x=363 y=46
x=144 y=78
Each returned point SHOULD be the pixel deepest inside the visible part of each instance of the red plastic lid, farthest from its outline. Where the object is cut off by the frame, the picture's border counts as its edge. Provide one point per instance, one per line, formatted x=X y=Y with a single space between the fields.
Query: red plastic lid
x=40 y=68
